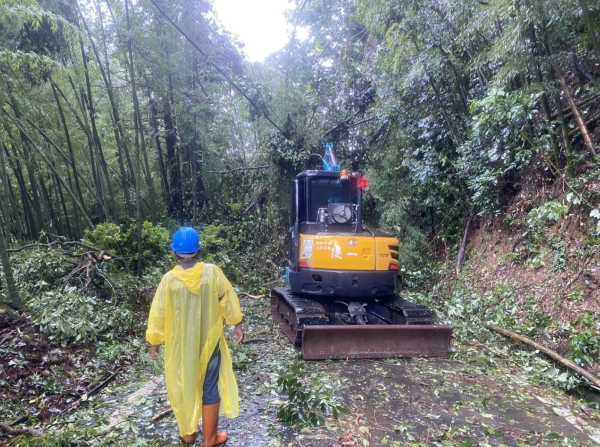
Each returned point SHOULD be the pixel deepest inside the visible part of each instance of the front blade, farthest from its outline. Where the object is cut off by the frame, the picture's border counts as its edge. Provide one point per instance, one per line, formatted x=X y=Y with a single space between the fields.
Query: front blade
x=375 y=342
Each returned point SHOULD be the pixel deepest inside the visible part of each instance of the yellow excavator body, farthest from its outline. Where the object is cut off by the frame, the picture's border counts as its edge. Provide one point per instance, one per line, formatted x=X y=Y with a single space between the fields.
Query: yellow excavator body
x=348 y=252
x=343 y=299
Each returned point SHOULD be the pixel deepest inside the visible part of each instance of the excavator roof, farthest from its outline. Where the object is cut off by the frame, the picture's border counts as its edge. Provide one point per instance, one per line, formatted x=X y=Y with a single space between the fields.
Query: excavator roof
x=326 y=174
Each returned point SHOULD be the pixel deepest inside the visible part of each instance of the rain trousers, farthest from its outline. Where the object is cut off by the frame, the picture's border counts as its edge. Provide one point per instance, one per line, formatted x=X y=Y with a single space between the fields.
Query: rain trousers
x=187 y=314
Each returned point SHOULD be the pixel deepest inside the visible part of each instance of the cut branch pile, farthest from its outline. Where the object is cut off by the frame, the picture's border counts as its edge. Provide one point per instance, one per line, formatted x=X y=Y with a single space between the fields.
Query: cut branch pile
x=84 y=270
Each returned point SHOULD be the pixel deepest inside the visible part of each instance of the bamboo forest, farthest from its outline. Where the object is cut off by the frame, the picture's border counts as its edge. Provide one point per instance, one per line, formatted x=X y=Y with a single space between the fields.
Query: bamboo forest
x=393 y=215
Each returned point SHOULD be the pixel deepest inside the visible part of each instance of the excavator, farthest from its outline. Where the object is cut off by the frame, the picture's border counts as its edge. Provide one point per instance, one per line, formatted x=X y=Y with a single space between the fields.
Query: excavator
x=343 y=299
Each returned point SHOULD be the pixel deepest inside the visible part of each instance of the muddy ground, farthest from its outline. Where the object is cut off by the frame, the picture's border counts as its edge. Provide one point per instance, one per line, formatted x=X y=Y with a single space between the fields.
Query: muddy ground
x=480 y=396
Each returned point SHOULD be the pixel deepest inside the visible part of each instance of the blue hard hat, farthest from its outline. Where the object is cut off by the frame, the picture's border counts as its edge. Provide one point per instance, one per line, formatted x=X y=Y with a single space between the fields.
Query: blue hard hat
x=186 y=241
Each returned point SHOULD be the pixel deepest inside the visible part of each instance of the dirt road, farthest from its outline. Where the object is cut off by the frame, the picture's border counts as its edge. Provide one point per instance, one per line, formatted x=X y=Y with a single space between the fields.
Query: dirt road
x=474 y=398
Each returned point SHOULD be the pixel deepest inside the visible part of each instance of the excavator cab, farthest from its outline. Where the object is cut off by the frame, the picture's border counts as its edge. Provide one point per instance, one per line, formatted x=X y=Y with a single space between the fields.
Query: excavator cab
x=343 y=299
x=331 y=253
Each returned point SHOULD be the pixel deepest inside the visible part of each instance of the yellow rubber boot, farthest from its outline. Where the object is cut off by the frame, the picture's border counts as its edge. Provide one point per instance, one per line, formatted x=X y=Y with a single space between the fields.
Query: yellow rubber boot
x=210 y=424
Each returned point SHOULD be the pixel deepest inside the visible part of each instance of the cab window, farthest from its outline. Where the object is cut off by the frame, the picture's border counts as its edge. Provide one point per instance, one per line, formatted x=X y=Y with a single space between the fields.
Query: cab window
x=325 y=191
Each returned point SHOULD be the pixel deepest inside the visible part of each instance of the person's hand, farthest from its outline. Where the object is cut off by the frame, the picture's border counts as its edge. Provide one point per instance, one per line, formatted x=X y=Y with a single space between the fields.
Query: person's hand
x=239 y=333
x=154 y=350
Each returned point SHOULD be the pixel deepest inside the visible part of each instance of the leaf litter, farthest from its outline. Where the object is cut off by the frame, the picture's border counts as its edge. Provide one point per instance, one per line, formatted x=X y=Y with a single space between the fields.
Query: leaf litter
x=483 y=395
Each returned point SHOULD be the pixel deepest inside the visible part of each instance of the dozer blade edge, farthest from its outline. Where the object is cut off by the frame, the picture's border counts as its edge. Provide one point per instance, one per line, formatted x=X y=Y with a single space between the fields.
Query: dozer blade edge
x=375 y=342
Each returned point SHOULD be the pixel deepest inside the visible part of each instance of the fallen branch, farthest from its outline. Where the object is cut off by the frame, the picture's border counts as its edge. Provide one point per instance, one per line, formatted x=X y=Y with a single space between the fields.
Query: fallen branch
x=264 y=354
x=581 y=270
x=582 y=125
x=19 y=420
x=162 y=414
x=272 y=282
x=261 y=199
x=567 y=110
x=92 y=263
x=463 y=244
x=256 y=340
x=550 y=353
x=254 y=297
x=247 y=168
x=104 y=382
x=53 y=244
x=17 y=432
x=6 y=337
x=93 y=260
x=94 y=390
x=587 y=123
x=21 y=431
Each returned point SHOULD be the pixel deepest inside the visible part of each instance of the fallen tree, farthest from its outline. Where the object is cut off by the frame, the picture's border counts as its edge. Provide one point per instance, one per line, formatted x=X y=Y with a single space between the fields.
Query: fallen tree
x=549 y=352
x=86 y=268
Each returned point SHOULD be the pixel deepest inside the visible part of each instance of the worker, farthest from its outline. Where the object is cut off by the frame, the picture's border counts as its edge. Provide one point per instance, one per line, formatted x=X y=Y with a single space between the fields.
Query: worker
x=187 y=314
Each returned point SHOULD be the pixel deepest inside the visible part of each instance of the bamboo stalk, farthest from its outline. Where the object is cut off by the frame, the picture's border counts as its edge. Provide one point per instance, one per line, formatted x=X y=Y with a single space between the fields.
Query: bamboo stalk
x=550 y=353
x=567 y=110
x=17 y=431
x=114 y=109
x=60 y=178
x=463 y=244
x=575 y=109
x=14 y=298
x=587 y=123
x=71 y=159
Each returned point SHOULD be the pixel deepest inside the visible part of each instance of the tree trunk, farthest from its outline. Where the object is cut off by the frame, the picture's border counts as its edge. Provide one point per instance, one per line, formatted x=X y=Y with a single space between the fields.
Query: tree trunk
x=463 y=244
x=48 y=205
x=59 y=195
x=39 y=219
x=565 y=87
x=83 y=122
x=64 y=157
x=46 y=159
x=5 y=198
x=14 y=298
x=545 y=103
x=115 y=116
x=173 y=168
x=154 y=121
x=69 y=144
x=148 y=173
x=566 y=139
x=575 y=109
x=462 y=92
x=568 y=363
x=60 y=178
x=138 y=213
x=5 y=191
x=78 y=231
x=120 y=123
x=29 y=218
x=97 y=143
x=20 y=222
x=591 y=28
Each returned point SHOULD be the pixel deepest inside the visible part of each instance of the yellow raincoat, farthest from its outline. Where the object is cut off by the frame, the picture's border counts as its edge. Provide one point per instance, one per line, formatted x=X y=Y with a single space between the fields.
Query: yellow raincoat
x=187 y=315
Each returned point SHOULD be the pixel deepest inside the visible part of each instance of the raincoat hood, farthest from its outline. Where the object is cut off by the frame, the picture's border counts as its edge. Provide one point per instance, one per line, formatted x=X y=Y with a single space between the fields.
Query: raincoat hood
x=192 y=278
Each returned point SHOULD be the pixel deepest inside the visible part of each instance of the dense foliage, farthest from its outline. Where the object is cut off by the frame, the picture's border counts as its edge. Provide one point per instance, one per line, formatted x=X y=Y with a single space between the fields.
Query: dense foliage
x=450 y=107
x=115 y=130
